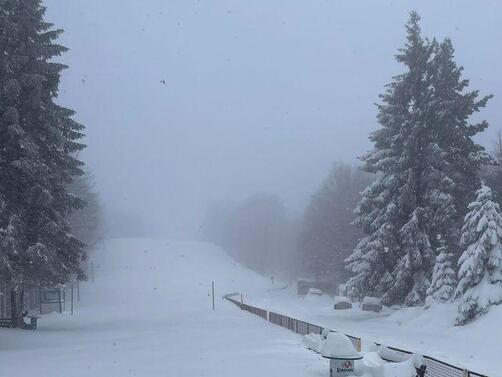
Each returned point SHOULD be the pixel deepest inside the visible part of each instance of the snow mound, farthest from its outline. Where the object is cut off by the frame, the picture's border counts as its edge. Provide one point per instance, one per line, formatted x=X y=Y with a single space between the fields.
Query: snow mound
x=338 y=345
x=313 y=342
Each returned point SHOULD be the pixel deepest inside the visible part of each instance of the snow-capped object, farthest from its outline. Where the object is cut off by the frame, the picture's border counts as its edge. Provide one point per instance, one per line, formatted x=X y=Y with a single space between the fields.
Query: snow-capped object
x=342 y=302
x=313 y=342
x=314 y=291
x=390 y=355
x=339 y=346
x=371 y=304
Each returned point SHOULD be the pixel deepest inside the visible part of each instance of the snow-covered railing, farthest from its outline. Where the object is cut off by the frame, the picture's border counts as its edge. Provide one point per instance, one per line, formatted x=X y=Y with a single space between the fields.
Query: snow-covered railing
x=435 y=367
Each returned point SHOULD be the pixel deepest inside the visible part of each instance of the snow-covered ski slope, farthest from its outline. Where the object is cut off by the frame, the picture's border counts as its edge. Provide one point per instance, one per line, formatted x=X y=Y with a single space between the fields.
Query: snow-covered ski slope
x=476 y=346
x=148 y=313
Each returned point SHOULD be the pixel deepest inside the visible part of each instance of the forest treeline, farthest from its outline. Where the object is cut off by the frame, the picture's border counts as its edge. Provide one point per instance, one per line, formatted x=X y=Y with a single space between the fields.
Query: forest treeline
x=419 y=222
x=49 y=210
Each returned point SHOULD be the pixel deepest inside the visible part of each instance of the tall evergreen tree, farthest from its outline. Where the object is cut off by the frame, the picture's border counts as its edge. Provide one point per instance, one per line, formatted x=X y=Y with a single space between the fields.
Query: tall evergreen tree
x=426 y=162
x=38 y=140
x=492 y=173
x=480 y=274
x=87 y=224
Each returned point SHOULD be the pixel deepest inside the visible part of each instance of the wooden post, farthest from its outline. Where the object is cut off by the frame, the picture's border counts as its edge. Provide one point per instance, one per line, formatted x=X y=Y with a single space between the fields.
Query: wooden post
x=60 y=303
x=212 y=290
x=78 y=290
x=72 y=299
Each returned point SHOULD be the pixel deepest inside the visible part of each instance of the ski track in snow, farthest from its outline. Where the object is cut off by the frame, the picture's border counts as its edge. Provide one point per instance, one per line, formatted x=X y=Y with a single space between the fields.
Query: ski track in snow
x=148 y=313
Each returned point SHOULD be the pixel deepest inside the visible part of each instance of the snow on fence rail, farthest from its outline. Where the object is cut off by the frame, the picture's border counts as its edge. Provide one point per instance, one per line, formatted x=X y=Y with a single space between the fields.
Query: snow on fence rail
x=435 y=367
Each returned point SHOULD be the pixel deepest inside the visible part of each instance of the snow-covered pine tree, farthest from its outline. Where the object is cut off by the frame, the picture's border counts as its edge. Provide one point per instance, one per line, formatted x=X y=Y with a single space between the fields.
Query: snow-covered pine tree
x=426 y=163
x=456 y=158
x=38 y=140
x=87 y=224
x=480 y=273
x=389 y=210
x=444 y=280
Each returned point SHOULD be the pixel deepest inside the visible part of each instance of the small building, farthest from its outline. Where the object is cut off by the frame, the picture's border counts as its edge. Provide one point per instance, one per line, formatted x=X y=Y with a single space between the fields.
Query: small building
x=52 y=300
x=303 y=286
x=342 y=303
x=371 y=304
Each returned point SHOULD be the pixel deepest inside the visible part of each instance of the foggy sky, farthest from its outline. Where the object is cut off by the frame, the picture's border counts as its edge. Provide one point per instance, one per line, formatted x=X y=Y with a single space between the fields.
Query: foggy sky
x=259 y=95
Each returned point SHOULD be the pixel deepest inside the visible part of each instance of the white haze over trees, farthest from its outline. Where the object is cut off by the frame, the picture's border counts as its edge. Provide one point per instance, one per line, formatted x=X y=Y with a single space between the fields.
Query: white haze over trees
x=259 y=96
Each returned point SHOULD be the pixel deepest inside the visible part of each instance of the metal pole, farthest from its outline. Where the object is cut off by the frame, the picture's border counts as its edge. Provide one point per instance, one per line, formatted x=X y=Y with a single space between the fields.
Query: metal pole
x=212 y=290
x=78 y=290
x=72 y=299
x=92 y=272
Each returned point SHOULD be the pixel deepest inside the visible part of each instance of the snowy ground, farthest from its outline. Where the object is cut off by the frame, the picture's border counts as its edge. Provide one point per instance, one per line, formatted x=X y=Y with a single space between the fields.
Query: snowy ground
x=477 y=346
x=148 y=313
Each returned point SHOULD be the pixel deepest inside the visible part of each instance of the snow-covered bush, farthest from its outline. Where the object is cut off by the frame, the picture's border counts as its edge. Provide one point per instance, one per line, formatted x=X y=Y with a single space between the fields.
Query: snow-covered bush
x=480 y=273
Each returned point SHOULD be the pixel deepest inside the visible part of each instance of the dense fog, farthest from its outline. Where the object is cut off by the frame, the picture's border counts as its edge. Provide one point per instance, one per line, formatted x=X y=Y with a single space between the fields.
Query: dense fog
x=188 y=103
x=253 y=188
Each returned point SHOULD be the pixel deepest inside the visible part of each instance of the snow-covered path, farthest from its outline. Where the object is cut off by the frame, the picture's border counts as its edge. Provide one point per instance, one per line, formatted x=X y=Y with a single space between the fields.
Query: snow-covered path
x=148 y=313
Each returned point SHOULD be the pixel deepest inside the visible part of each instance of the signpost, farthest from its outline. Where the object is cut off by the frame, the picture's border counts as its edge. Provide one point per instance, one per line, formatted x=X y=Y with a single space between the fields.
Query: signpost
x=51 y=300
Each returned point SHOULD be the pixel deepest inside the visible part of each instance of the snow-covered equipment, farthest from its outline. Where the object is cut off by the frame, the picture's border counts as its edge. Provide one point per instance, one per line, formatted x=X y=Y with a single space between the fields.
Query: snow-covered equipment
x=341 y=353
x=342 y=303
x=313 y=342
x=371 y=304
x=314 y=292
x=414 y=363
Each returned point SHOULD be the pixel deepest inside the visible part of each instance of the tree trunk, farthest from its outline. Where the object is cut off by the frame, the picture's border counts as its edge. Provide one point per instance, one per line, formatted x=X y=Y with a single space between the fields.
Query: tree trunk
x=16 y=306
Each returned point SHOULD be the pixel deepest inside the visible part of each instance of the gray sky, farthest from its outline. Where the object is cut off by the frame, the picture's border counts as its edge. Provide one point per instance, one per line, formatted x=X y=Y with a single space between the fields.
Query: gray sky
x=259 y=95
